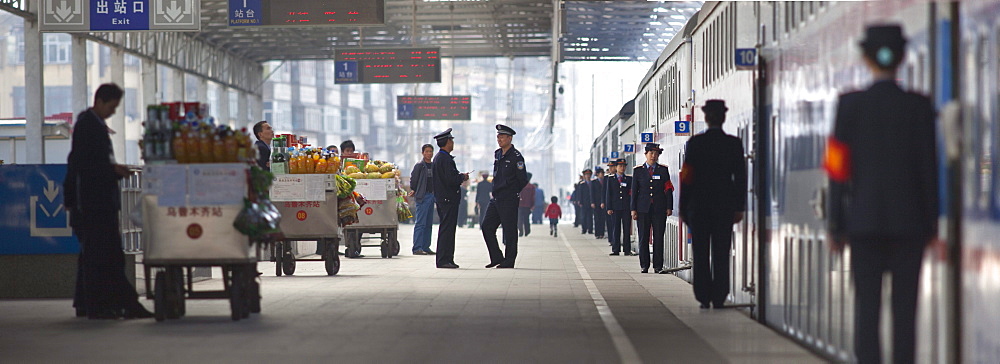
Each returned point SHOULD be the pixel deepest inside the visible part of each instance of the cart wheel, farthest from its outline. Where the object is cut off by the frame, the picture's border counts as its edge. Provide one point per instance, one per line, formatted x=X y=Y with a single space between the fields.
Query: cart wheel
x=159 y=302
x=276 y=255
x=384 y=247
x=288 y=262
x=173 y=293
x=394 y=240
x=236 y=298
x=332 y=262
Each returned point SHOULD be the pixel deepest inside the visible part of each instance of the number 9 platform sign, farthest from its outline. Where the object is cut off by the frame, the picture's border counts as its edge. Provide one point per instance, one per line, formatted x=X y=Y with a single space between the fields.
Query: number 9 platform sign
x=682 y=128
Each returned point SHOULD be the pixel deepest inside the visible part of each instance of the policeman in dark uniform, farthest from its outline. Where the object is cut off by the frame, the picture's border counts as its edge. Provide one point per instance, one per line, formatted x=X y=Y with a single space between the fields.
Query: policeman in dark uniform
x=509 y=177
x=608 y=176
x=597 y=193
x=652 y=202
x=447 y=183
x=575 y=198
x=881 y=161
x=618 y=202
x=713 y=198
x=585 y=197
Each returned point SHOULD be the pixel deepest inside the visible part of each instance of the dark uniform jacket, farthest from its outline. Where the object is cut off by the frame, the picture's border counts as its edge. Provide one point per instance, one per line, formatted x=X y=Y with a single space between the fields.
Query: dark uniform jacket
x=583 y=193
x=598 y=191
x=713 y=177
x=509 y=174
x=91 y=185
x=446 y=178
x=884 y=180
x=483 y=190
x=619 y=196
x=652 y=192
x=263 y=155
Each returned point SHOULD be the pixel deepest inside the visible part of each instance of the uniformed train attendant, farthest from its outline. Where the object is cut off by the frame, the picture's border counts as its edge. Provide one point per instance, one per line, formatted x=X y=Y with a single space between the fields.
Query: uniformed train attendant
x=447 y=196
x=881 y=161
x=509 y=177
x=608 y=177
x=652 y=202
x=618 y=202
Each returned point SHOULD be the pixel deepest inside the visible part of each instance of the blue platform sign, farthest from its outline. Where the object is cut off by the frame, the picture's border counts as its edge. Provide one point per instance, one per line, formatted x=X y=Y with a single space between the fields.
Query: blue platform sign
x=629 y=148
x=604 y=160
x=746 y=58
x=404 y=111
x=245 y=13
x=33 y=219
x=347 y=72
x=614 y=154
x=646 y=137
x=682 y=128
x=119 y=15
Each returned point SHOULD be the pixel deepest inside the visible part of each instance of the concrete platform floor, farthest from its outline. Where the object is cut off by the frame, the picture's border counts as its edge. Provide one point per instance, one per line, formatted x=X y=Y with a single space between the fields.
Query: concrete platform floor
x=566 y=302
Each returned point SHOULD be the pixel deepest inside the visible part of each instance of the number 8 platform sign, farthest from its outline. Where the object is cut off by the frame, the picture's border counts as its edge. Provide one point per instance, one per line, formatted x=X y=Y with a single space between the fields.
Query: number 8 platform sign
x=682 y=128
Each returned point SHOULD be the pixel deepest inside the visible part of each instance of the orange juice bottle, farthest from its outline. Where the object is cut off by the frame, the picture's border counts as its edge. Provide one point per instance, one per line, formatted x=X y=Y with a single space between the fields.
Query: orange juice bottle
x=193 y=144
x=311 y=163
x=231 y=146
x=206 y=145
x=180 y=153
x=321 y=164
x=293 y=164
x=218 y=146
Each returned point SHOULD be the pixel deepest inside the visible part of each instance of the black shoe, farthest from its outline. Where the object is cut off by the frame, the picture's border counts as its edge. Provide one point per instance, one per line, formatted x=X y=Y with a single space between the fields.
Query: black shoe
x=704 y=305
x=718 y=305
x=429 y=252
x=645 y=270
x=137 y=313
x=631 y=254
x=658 y=270
x=105 y=314
x=615 y=254
x=491 y=265
x=504 y=266
x=81 y=312
x=448 y=266
x=419 y=252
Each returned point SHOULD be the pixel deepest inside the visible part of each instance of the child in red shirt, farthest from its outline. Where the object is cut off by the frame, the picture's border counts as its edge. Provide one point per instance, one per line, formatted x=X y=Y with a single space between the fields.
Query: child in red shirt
x=553 y=212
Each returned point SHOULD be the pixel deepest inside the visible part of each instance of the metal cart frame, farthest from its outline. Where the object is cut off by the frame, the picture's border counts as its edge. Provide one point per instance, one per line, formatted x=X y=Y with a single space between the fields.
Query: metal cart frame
x=324 y=228
x=378 y=216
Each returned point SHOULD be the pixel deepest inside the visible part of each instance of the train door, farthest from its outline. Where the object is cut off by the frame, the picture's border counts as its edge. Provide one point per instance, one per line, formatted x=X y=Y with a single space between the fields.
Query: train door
x=759 y=186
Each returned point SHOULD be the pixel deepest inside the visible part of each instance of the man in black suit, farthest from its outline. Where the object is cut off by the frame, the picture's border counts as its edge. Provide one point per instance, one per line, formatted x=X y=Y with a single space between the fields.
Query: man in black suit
x=652 y=202
x=597 y=192
x=447 y=196
x=93 y=199
x=882 y=164
x=483 y=190
x=713 y=198
x=608 y=177
x=509 y=178
x=575 y=198
x=618 y=202
x=585 y=198
x=262 y=130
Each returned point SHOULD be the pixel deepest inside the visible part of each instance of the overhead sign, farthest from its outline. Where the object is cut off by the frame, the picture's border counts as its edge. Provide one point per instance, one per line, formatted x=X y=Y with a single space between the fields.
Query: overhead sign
x=682 y=128
x=646 y=137
x=306 y=13
x=388 y=65
x=629 y=148
x=434 y=107
x=746 y=58
x=614 y=154
x=119 y=15
x=604 y=160
x=33 y=219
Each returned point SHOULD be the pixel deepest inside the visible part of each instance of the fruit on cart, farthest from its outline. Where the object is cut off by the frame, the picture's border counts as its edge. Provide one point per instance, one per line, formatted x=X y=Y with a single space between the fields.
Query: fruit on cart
x=374 y=175
x=358 y=175
x=389 y=174
x=387 y=167
x=351 y=169
x=371 y=168
x=345 y=186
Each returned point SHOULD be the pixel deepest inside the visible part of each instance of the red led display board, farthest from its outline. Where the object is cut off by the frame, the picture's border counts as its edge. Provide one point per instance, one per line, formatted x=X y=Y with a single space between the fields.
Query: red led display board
x=434 y=107
x=323 y=12
x=388 y=65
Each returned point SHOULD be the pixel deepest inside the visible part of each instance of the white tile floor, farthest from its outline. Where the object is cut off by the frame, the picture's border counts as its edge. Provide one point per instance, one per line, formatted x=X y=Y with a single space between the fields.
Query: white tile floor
x=405 y=310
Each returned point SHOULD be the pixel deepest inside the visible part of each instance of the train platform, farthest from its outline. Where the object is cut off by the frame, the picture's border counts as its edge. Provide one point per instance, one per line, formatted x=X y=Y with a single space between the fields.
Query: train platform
x=566 y=302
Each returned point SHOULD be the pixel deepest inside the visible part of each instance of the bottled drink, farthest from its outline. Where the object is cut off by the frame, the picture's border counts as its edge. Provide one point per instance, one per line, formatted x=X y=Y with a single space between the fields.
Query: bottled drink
x=321 y=165
x=243 y=152
x=278 y=158
x=180 y=152
x=192 y=143
x=231 y=146
x=148 y=147
x=218 y=145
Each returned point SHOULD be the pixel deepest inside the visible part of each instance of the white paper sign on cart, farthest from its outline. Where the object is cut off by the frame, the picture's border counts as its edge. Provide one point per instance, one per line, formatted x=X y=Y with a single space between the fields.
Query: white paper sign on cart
x=298 y=187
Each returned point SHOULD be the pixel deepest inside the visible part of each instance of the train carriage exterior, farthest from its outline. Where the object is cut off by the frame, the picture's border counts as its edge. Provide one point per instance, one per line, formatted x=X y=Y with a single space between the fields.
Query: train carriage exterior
x=783 y=110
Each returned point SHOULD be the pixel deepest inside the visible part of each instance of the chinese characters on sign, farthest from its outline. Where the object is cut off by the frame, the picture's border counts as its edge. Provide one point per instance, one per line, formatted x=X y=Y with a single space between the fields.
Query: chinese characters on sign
x=119 y=15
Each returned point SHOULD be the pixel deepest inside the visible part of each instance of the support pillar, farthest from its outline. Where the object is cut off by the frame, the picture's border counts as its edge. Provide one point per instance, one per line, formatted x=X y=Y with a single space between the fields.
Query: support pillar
x=149 y=82
x=242 y=109
x=176 y=85
x=117 y=121
x=81 y=91
x=222 y=109
x=34 y=90
x=256 y=108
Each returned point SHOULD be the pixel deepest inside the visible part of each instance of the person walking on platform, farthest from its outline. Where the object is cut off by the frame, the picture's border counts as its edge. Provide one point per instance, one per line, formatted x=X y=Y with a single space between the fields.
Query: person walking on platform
x=93 y=199
x=262 y=130
x=524 y=206
x=882 y=166
x=713 y=191
x=483 y=191
x=619 y=201
x=554 y=213
x=597 y=192
x=539 y=209
x=422 y=191
x=447 y=197
x=652 y=201
x=574 y=198
x=585 y=208
x=509 y=178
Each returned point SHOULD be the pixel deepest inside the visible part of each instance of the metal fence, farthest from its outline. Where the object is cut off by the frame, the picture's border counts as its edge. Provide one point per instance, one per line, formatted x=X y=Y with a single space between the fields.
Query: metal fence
x=131 y=187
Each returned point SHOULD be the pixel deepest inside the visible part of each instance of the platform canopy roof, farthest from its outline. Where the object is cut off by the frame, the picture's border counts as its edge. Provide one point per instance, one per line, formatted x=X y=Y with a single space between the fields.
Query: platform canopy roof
x=625 y=30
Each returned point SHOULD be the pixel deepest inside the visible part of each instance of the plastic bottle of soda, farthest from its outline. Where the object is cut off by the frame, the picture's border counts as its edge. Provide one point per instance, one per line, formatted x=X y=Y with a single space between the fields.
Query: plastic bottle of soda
x=242 y=152
x=218 y=145
x=193 y=143
x=180 y=152
x=322 y=165
x=231 y=146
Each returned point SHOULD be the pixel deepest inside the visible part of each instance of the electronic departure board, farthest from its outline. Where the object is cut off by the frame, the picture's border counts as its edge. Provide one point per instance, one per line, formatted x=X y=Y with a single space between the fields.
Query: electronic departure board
x=434 y=107
x=306 y=13
x=387 y=65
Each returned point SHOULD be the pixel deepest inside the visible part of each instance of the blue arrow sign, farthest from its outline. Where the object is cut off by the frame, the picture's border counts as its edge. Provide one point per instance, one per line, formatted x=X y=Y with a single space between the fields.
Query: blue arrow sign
x=646 y=137
x=35 y=219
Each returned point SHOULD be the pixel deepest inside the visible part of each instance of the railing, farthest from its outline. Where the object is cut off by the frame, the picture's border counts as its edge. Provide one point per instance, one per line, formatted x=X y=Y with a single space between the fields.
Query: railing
x=131 y=187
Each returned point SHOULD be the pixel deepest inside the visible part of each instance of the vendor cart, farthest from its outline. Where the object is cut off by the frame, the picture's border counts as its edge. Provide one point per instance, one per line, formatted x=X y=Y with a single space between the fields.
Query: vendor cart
x=188 y=213
x=378 y=216
x=308 y=214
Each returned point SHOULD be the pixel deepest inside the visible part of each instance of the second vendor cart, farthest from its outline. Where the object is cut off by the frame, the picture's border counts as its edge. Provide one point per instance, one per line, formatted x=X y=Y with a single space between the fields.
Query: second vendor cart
x=378 y=216
x=308 y=206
